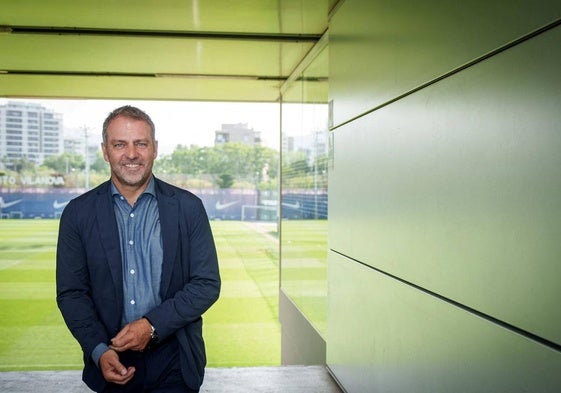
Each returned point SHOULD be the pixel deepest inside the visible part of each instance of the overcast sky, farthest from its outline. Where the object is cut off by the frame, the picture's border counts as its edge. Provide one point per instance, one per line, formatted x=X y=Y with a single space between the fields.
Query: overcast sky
x=176 y=122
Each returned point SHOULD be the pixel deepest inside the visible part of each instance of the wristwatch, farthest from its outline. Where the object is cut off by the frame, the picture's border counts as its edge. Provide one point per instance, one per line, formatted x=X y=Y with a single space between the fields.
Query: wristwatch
x=153 y=334
x=153 y=337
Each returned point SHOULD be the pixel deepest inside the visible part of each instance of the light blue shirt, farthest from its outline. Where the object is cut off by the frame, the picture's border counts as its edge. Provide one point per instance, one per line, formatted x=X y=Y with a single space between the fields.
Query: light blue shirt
x=142 y=255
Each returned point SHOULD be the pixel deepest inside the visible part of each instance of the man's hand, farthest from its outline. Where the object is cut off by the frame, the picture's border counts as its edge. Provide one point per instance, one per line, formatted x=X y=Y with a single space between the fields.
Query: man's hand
x=134 y=336
x=113 y=370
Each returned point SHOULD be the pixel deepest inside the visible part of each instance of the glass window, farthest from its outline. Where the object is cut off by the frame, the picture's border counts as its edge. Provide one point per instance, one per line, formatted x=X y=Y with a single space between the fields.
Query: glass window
x=304 y=192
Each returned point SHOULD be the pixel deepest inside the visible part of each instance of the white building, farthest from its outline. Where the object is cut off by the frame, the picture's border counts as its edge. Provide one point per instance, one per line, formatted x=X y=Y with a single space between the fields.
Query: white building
x=29 y=131
x=314 y=144
x=237 y=133
x=77 y=141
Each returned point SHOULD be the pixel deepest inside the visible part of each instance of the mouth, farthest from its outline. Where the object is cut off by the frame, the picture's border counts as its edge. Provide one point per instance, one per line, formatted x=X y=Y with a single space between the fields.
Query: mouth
x=132 y=165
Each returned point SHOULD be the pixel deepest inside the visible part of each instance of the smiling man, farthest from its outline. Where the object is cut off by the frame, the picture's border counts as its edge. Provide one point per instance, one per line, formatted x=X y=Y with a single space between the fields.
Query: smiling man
x=136 y=269
x=130 y=148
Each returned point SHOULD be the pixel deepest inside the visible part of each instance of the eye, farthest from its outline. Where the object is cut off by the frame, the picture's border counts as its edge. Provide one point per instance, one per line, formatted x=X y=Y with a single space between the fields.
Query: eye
x=118 y=145
x=142 y=144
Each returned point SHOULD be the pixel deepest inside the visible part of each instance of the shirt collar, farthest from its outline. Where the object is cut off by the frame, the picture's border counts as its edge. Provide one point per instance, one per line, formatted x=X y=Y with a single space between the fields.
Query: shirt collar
x=150 y=188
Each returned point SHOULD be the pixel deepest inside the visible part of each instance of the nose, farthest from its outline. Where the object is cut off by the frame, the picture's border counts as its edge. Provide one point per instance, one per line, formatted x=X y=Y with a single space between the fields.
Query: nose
x=131 y=152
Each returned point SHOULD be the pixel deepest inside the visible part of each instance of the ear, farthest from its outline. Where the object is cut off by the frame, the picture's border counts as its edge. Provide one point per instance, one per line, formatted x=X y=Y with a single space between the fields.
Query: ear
x=155 y=149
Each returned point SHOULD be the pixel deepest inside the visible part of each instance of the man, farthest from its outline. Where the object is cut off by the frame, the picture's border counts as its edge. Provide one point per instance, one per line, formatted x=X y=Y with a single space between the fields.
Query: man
x=136 y=269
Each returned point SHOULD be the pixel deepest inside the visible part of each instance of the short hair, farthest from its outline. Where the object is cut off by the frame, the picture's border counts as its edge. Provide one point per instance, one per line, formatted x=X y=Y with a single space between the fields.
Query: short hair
x=133 y=113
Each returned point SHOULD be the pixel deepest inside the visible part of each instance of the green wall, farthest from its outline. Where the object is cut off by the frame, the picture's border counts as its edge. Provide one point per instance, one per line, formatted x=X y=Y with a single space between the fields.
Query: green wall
x=445 y=196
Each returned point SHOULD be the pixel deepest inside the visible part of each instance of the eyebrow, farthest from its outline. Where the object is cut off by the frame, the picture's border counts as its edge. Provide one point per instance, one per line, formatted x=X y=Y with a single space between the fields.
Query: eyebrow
x=127 y=141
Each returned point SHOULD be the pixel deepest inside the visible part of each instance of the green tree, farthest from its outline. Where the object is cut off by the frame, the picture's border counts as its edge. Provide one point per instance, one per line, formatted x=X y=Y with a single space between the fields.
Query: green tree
x=100 y=165
x=225 y=164
x=22 y=165
x=184 y=160
x=225 y=180
x=65 y=162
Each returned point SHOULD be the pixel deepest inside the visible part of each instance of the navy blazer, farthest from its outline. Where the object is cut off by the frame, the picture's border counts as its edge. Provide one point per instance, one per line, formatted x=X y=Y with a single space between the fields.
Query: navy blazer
x=90 y=279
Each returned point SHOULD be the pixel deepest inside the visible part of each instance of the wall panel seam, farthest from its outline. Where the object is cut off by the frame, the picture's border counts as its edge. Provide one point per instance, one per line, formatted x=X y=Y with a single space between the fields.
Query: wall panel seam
x=531 y=336
x=508 y=45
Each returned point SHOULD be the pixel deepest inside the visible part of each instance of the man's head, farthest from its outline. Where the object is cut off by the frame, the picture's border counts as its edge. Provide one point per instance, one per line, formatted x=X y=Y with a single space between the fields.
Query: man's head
x=131 y=112
x=130 y=147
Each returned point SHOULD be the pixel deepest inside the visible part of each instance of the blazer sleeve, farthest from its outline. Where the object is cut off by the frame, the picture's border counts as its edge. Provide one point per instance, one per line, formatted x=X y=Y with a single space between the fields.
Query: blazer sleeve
x=74 y=292
x=196 y=279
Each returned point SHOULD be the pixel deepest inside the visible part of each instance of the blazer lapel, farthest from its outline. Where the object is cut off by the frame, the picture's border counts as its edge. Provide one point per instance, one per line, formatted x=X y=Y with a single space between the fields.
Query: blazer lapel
x=110 y=239
x=169 y=224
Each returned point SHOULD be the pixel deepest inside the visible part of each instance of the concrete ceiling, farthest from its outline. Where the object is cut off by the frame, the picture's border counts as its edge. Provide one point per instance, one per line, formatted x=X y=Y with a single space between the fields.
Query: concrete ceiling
x=207 y=50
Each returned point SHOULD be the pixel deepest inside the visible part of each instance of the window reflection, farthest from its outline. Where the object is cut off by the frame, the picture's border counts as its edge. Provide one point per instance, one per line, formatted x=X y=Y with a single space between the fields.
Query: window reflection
x=304 y=194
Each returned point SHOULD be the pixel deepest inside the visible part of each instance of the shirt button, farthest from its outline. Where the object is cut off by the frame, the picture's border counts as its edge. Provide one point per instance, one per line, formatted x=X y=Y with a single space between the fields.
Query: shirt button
x=131 y=242
x=132 y=271
x=132 y=214
x=121 y=197
x=133 y=302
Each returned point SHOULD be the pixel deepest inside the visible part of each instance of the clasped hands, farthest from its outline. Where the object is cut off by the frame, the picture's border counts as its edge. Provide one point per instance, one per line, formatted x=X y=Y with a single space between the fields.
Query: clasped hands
x=135 y=336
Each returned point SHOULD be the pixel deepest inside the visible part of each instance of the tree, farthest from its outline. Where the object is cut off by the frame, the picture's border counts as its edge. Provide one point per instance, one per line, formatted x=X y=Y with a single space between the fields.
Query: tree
x=65 y=162
x=225 y=180
x=225 y=164
x=100 y=165
x=22 y=164
x=185 y=160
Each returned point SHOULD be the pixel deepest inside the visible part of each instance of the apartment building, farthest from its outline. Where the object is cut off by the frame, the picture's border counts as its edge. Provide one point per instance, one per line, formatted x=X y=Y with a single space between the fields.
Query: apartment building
x=28 y=131
x=237 y=133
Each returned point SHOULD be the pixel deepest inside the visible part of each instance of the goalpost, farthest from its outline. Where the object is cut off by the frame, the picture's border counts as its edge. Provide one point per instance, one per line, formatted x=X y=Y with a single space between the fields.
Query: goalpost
x=258 y=208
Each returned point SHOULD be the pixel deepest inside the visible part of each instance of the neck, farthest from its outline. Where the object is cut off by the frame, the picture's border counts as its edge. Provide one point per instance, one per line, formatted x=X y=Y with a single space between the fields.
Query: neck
x=131 y=192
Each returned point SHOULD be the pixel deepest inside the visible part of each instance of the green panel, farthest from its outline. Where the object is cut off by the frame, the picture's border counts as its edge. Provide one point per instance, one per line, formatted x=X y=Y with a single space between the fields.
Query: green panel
x=199 y=89
x=316 y=83
x=213 y=57
x=457 y=188
x=249 y=16
x=229 y=51
x=381 y=49
x=385 y=336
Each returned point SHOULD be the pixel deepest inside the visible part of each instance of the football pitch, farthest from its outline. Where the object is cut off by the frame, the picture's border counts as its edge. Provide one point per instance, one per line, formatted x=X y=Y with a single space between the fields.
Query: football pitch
x=241 y=329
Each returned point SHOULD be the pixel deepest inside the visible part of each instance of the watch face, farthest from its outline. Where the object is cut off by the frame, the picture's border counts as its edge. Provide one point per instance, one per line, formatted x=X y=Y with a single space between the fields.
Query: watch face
x=154 y=334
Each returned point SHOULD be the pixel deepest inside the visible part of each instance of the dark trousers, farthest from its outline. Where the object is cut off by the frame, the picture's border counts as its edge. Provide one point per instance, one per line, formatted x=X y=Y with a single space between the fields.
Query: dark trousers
x=157 y=371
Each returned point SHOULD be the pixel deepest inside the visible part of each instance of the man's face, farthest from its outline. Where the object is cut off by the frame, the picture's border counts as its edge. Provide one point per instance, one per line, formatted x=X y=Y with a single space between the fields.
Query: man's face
x=130 y=151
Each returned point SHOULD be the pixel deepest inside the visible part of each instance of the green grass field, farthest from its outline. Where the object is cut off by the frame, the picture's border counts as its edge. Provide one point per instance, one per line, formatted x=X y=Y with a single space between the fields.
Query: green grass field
x=241 y=329
x=304 y=268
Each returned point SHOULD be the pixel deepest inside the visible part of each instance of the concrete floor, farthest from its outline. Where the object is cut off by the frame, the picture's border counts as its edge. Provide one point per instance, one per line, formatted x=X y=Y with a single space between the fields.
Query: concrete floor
x=285 y=379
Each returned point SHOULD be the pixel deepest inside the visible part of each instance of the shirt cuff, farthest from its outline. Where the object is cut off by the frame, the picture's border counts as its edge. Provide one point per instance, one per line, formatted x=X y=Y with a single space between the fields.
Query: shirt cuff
x=99 y=350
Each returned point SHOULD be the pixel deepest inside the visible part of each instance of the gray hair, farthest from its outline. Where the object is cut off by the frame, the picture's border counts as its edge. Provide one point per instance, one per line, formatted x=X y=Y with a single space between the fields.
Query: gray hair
x=133 y=113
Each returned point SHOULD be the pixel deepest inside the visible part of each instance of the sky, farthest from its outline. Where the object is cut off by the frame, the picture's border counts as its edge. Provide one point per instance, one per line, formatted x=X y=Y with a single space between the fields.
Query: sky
x=177 y=122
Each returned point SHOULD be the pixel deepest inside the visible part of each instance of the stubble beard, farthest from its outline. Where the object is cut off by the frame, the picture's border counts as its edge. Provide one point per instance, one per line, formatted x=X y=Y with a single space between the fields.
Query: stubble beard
x=135 y=178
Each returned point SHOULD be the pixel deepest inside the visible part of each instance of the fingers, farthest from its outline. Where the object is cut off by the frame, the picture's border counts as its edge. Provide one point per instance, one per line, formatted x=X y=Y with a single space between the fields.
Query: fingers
x=122 y=378
x=122 y=340
x=125 y=339
x=113 y=370
x=134 y=336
